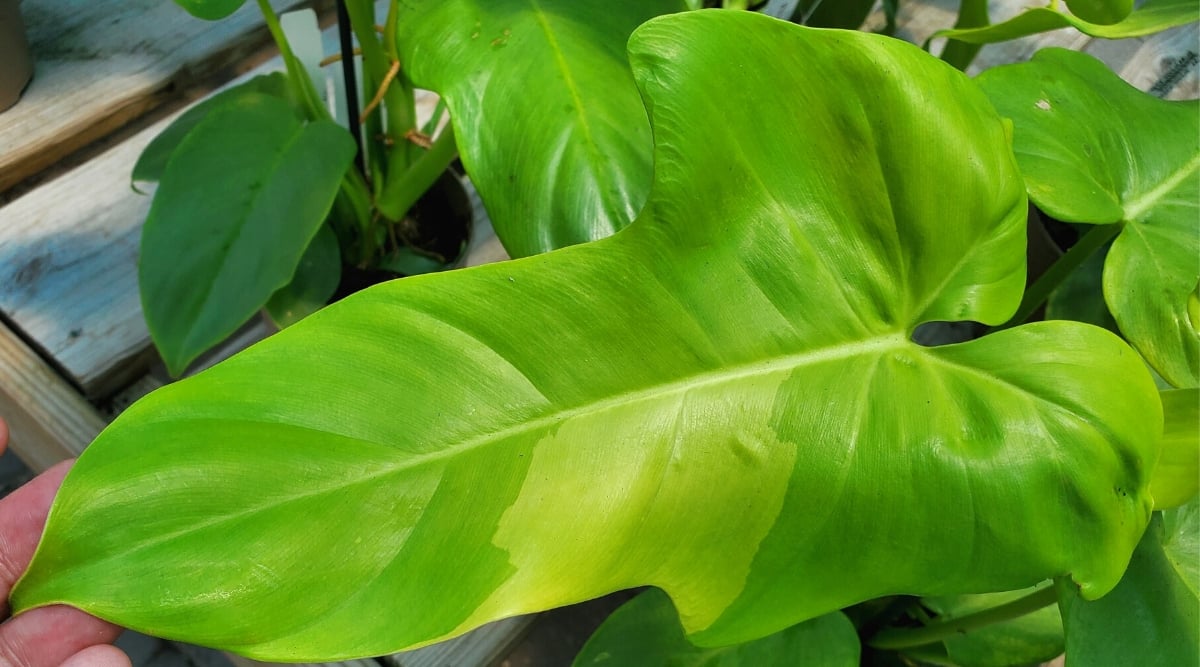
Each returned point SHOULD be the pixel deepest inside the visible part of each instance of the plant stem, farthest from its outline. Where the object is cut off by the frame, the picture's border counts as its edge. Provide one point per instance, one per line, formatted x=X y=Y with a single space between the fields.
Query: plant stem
x=1037 y=293
x=349 y=84
x=298 y=77
x=399 y=194
x=894 y=639
x=971 y=14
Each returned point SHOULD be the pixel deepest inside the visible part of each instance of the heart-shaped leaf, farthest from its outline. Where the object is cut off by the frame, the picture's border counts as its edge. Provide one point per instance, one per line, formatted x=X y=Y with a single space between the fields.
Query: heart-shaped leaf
x=1153 y=616
x=1093 y=149
x=545 y=110
x=646 y=632
x=242 y=195
x=1151 y=17
x=1176 y=478
x=721 y=400
x=313 y=283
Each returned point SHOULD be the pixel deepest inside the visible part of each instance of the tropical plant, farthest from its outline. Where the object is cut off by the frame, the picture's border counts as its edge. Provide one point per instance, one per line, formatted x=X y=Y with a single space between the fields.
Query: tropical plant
x=722 y=400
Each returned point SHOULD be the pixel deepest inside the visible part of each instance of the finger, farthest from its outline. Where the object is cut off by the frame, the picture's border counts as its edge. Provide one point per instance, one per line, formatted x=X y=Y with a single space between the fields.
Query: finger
x=47 y=636
x=22 y=518
x=99 y=656
x=3 y=436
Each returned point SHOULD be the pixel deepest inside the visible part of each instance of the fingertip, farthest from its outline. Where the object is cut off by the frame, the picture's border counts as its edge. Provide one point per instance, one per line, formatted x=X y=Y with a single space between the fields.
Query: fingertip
x=98 y=656
x=3 y=435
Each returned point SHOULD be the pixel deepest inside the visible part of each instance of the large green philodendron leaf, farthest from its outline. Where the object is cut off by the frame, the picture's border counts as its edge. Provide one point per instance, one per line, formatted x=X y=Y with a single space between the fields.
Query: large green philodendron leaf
x=545 y=110
x=1153 y=16
x=242 y=195
x=645 y=632
x=1095 y=150
x=1153 y=616
x=722 y=400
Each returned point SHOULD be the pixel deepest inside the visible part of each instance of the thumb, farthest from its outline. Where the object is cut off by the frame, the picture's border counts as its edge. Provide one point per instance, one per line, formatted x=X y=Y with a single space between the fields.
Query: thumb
x=98 y=656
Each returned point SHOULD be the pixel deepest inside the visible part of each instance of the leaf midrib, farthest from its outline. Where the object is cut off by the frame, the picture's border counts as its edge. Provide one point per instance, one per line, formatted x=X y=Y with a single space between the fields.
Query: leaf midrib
x=879 y=345
x=1137 y=207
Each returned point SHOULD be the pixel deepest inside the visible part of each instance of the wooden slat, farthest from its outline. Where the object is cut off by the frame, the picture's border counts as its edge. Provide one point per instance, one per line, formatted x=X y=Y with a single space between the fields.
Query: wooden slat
x=101 y=63
x=49 y=420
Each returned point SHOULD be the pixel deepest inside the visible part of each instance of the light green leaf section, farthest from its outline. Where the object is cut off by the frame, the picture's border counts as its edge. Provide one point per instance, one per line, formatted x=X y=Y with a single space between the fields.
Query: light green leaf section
x=241 y=197
x=545 y=110
x=1153 y=615
x=314 y=282
x=1151 y=17
x=153 y=161
x=1176 y=479
x=210 y=9
x=721 y=400
x=645 y=632
x=1093 y=149
x=1027 y=640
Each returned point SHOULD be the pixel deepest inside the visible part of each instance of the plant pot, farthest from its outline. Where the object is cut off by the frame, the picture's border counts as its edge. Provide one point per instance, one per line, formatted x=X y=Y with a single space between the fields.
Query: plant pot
x=16 y=67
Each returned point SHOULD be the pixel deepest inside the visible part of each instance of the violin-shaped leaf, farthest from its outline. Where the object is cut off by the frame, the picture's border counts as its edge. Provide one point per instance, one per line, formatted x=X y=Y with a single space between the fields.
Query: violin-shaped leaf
x=645 y=632
x=545 y=110
x=1151 y=17
x=242 y=196
x=1093 y=149
x=721 y=400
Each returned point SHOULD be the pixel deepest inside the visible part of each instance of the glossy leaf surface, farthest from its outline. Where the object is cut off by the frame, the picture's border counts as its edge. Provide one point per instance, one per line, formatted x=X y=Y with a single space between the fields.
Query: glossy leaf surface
x=1153 y=16
x=153 y=161
x=1028 y=640
x=721 y=400
x=242 y=196
x=1176 y=478
x=1085 y=159
x=645 y=632
x=210 y=9
x=1153 y=615
x=548 y=119
x=313 y=283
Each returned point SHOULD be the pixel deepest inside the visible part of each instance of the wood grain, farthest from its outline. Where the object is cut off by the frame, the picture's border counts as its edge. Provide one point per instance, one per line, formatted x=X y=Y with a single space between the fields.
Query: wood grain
x=99 y=64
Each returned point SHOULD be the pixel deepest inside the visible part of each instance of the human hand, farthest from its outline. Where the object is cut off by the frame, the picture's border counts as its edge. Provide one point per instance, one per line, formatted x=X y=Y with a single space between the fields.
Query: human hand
x=48 y=636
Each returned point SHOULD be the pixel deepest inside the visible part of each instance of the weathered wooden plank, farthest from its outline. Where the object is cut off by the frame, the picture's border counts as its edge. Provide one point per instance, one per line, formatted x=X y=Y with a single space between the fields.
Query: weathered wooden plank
x=48 y=419
x=100 y=64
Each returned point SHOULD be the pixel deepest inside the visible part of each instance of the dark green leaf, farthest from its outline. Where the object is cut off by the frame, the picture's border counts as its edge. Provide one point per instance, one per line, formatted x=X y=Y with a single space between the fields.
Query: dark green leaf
x=845 y=14
x=1153 y=616
x=1153 y=16
x=1093 y=149
x=210 y=9
x=1102 y=12
x=1031 y=639
x=1081 y=296
x=1176 y=479
x=722 y=400
x=547 y=117
x=153 y=160
x=646 y=632
x=242 y=196
x=314 y=282
x=971 y=14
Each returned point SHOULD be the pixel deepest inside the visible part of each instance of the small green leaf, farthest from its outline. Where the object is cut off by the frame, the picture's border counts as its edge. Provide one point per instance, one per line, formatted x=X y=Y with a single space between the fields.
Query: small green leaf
x=1030 y=639
x=1153 y=16
x=1153 y=616
x=846 y=14
x=723 y=400
x=242 y=196
x=153 y=161
x=1093 y=149
x=1176 y=479
x=971 y=14
x=645 y=632
x=314 y=282
x=1101 y=12
x=567 y=164
x=211 y=10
